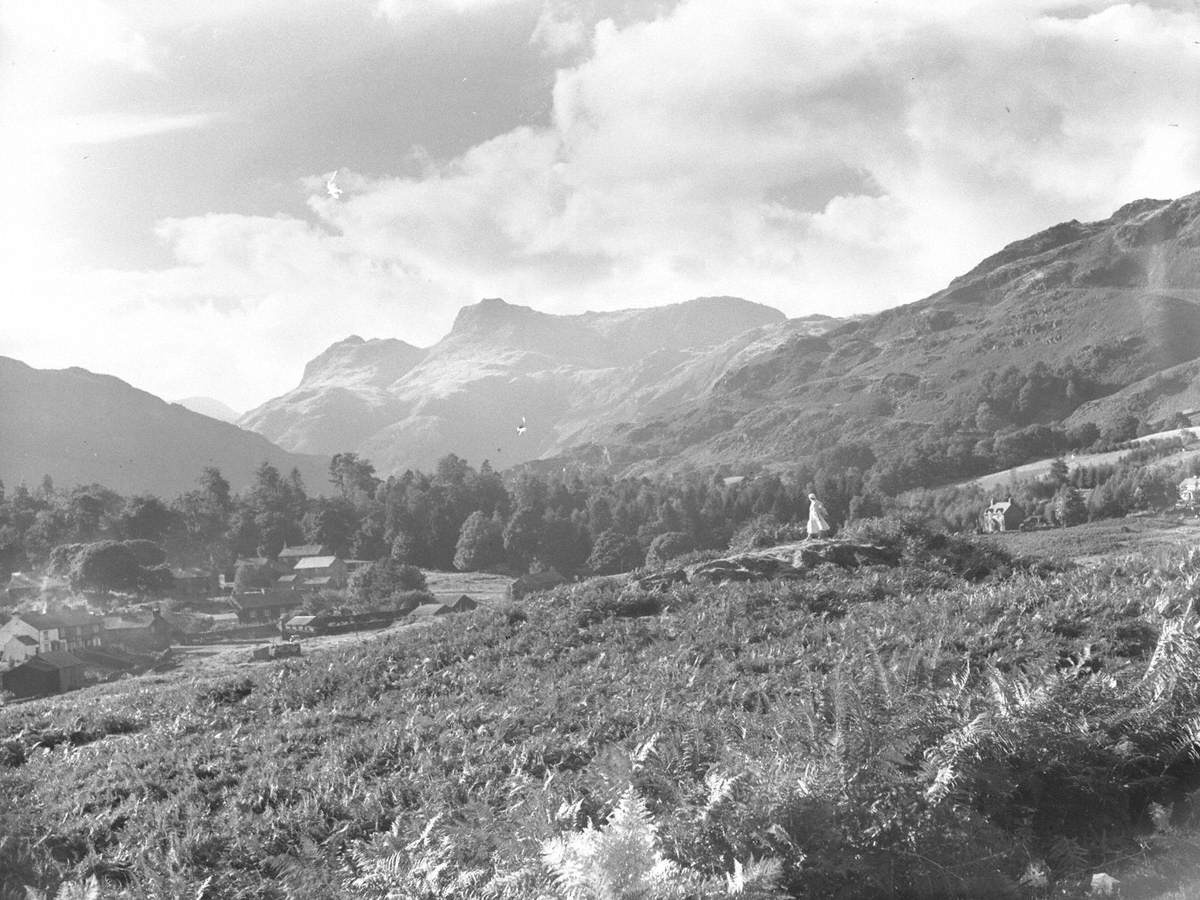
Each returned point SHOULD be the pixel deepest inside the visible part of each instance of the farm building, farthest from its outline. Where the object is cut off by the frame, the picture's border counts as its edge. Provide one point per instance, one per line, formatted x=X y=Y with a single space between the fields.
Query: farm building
x=266 y=606
x=78 y=628
x=289 y=556
x=1002 y=515
x=193 y=582
x=318 y=573
x=17 y=649
x=464 y=604
x=429 y=610
x=45 y=630
x=46 y=673
x=139 y=636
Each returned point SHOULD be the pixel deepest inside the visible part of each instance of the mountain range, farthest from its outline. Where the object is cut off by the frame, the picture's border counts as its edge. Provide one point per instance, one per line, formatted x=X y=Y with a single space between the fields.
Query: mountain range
x=720 y=380
x=510 y=384
x=1082 y=322
x=80 y=427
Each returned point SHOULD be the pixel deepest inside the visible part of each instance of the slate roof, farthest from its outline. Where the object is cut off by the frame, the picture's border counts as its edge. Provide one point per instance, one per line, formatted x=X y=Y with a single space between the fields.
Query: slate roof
x=265 y=601
x=315 y=562
x=302 y=550
x=77 y=617
x=27 y=640
x=40 y=621
x=54 y=659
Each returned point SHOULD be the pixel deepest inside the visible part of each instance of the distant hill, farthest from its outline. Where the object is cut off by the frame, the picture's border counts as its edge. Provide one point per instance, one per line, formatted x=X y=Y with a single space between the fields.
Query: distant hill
x=80 y=427
x=211 y=407
x=570 y=378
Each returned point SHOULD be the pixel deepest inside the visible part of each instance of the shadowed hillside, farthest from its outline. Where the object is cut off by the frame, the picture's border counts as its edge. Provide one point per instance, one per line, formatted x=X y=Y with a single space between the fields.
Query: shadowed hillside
x=80 y=427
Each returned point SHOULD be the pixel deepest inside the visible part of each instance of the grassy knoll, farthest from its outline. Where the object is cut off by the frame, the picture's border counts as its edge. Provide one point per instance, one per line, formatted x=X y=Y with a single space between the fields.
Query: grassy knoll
x=897 y=732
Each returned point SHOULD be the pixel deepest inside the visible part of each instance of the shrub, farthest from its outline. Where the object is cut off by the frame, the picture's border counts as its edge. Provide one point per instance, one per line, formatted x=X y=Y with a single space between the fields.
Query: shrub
x=668 y=546
x=381 y=579
x=766 y=531
x=614 y=552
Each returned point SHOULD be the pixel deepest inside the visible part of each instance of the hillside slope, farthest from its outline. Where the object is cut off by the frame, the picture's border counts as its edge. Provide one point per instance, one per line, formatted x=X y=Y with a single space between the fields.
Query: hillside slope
x=569 y=378
x=1100 y=306
x=881 y=732
x=81 y=427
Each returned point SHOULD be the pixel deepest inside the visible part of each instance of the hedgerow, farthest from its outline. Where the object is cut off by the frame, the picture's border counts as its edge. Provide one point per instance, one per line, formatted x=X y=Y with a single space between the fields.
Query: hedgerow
x=856 y=734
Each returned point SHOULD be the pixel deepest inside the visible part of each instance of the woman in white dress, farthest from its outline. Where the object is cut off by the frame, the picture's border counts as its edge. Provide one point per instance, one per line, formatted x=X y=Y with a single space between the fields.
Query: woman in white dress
x=818 y=517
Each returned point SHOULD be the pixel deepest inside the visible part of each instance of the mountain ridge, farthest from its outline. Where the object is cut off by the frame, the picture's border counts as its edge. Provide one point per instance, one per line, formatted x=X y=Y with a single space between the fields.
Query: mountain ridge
x=502 y=363
x=81 y=427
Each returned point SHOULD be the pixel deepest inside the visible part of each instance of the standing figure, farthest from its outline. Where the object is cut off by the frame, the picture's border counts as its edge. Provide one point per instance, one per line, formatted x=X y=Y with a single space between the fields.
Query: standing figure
x=818 y=518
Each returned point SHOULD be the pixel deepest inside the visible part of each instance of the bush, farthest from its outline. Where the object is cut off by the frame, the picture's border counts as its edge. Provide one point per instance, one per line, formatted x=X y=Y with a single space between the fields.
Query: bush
x=766 y=531
x=668 y=546
x=381 y=579
x=613 y=553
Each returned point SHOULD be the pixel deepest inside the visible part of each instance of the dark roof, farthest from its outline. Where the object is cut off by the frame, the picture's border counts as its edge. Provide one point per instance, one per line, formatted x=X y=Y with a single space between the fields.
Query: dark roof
x=26 y=639
x=54 y=659
x=302 y=550
x=265 y=601
x=77 y=617
x=39 y=621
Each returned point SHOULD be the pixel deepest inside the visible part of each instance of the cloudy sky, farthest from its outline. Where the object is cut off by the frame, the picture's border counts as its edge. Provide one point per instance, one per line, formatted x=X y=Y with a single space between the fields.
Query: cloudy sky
x=200 y=196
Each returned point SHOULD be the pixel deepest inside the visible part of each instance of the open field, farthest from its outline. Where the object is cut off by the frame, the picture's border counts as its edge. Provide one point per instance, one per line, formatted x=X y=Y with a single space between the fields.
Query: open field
x=997 y=481
x=481 y=586
x=1104 y=539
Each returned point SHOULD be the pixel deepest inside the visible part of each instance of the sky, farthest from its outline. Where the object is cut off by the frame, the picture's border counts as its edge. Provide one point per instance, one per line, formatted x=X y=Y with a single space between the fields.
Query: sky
x=199 y=197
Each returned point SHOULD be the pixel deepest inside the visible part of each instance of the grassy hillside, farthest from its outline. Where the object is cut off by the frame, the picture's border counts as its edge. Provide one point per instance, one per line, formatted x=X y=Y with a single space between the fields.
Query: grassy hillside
x=886 y=732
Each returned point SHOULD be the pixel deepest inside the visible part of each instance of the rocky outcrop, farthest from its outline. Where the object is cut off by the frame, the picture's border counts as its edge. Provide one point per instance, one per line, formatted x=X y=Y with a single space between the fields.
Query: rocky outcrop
x=795 y=560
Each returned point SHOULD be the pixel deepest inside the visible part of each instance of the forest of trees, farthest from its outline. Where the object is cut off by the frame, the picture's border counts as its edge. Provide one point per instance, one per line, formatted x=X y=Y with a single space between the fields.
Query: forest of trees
x=473 y=519
x=455 y=517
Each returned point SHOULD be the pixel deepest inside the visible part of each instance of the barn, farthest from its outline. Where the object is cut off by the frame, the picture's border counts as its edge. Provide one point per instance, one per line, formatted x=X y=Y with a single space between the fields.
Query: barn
x=46 y=673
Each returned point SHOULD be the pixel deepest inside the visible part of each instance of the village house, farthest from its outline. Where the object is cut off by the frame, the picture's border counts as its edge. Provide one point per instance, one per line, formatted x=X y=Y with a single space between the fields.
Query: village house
x=17 y=649
x=290 y=556
x=193 y=584
x=46 y=673
x=137 y=636
x=318 y=573
x=44 y=630
x=1002 y=515
x=78 y=628
x=264 y=606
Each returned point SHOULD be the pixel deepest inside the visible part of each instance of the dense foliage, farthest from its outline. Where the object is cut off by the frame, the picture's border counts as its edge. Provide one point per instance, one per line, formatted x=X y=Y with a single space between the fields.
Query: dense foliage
x=962 y=725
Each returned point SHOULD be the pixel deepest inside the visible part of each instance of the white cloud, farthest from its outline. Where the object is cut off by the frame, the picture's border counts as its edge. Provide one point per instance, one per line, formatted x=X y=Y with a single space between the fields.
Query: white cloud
x=922 y=136
x=399 y=10
x=821 y=157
